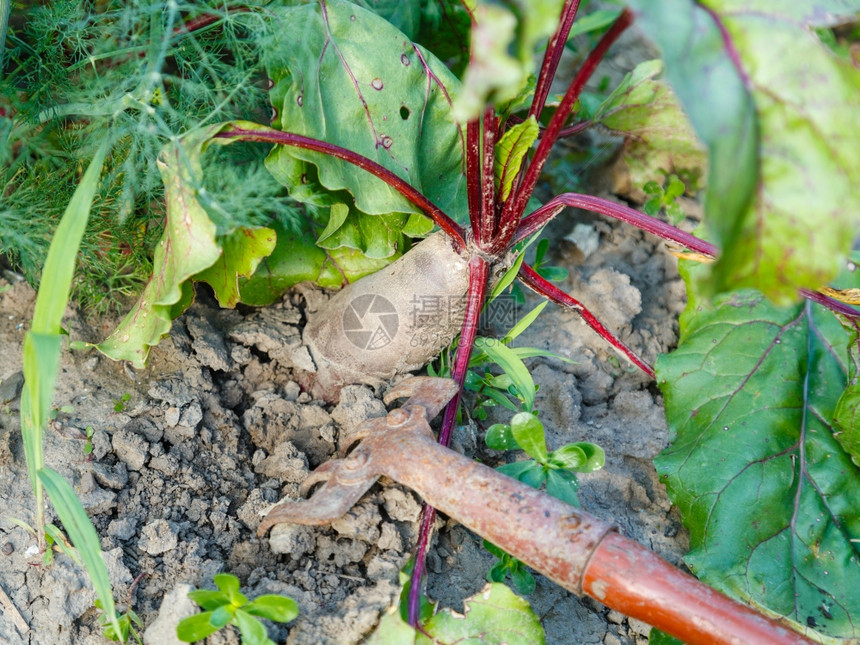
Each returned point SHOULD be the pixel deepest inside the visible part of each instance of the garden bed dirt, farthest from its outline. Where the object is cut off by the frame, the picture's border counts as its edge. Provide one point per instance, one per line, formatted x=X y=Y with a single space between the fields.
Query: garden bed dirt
x=189 y=452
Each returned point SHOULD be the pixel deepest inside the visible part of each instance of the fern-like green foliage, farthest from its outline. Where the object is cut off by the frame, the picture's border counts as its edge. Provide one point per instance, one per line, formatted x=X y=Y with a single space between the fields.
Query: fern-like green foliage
x=134 y=73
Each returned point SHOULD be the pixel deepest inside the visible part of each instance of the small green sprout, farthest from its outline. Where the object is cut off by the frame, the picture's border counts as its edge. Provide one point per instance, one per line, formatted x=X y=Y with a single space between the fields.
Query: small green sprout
x=88 y=446
x=129 y=625
x=227 y=606
x=556 y=470
x=660 y=198
x=119 y=405
x=551 y=273
x=521 y=578
x=54 y=540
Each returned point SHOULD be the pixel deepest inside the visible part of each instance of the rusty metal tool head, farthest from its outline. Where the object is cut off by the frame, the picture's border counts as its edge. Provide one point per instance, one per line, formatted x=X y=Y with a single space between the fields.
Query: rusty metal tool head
x=580 y=552
x=345 y=480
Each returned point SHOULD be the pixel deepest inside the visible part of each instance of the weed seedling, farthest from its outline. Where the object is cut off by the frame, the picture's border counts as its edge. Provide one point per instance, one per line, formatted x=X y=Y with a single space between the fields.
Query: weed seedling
x=227 y=606
x=522 y=579
x=129 y=623
x=88 y=446
x=663 y=197
x=119 y=404
x=54 y=540
x=556 y=470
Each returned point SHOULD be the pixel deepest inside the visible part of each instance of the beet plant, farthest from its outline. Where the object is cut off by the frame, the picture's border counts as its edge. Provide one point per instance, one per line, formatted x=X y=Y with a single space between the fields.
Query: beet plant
x=382 y=141
x=374 y=133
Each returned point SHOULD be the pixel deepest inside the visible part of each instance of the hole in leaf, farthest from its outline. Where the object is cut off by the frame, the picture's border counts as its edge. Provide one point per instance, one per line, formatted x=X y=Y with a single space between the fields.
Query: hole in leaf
x=404 y=112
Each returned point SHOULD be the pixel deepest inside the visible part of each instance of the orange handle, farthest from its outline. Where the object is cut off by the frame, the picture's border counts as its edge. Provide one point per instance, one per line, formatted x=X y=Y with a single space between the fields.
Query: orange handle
x=626 y=576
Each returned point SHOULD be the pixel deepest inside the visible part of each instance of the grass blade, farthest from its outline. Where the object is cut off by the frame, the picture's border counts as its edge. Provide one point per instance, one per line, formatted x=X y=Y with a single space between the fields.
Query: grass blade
x=512 y=365
x=82 y=534
x=59 y=266
x=41 y=352
x=524 y=322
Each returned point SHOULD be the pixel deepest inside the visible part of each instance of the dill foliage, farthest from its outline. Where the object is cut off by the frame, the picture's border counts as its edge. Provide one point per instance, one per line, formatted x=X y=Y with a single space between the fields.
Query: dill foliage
x=137 y=74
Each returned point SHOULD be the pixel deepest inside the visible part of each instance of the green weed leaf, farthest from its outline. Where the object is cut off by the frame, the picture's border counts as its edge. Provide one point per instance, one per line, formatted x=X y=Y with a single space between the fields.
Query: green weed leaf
x=524 y=582
x=59 y=266
x=570 y=457
x=209 y=600
x=42 y=344
x=512 y=365
x=508 y=278
x=656 y=637
x=276 y=608
x=563 y=484
x=195 y=628
x=500 y=437
x=527 y=471
x=498 y=572
x=583 y=457
x=83 y=535
x=495 y=615
x=227 y=583
x=222 y=615
x=41 y=354
x=492 y=548
x=392 y=107
x=529 y=435
x=252 y=630
x=510 y=152
x=766 y=490
x=783 y=168
x=524 y=322
x=661 y=139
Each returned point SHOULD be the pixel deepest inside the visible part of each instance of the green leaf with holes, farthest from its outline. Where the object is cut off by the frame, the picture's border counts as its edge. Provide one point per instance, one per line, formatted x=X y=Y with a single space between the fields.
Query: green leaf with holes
x=768 y=493
x=392 y=106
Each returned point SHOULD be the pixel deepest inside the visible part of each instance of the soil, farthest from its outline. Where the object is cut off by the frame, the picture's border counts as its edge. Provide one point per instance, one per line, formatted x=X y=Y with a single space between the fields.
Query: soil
x=215 y=430
x=188 y=453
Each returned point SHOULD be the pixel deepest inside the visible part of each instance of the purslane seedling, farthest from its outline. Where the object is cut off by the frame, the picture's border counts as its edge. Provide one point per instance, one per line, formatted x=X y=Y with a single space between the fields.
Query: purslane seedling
x=228 y=606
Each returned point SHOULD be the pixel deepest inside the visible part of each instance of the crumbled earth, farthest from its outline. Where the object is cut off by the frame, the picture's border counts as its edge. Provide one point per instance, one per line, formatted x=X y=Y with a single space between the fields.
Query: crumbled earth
x=188 y=453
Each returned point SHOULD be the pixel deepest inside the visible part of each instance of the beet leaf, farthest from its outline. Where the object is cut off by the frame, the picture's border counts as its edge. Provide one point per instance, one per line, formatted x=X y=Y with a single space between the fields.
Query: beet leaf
x=754 y=465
